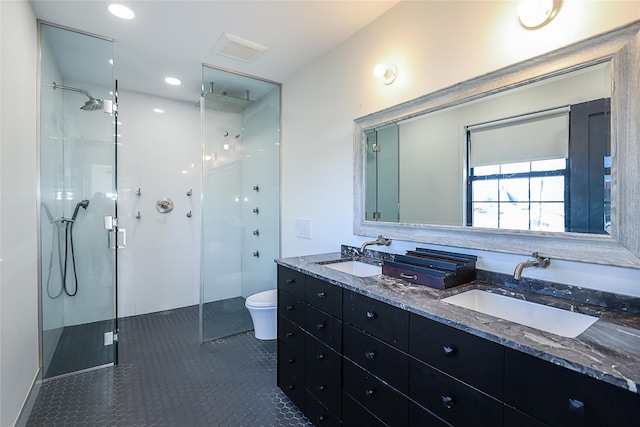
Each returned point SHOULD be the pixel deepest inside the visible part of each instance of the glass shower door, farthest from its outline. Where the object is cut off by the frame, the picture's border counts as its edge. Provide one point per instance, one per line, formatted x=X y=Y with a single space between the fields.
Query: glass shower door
x=240 y=197
x=77 y=191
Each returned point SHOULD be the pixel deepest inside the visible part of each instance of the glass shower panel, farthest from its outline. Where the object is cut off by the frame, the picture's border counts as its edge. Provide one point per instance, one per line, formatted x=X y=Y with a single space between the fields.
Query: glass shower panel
x=77 y=166
x=240 y=197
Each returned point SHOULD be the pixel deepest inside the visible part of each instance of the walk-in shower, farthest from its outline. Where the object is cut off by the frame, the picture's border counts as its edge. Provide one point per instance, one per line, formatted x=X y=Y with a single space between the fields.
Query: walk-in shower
x=77 y=166
x=240 y=197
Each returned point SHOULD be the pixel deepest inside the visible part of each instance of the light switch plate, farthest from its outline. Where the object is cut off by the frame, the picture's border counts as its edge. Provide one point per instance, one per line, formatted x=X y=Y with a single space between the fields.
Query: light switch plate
x=303 y=228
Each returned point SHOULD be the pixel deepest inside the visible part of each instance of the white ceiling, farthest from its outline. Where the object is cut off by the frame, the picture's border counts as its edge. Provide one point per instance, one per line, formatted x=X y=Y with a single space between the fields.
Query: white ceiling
x=176 y=37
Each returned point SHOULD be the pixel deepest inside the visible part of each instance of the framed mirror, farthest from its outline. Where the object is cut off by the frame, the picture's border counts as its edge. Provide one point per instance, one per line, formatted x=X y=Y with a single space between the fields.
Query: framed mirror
x=423 y=171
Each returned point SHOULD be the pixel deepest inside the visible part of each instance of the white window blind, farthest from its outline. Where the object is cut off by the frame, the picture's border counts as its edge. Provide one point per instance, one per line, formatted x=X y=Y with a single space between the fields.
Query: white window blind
x=538 y=136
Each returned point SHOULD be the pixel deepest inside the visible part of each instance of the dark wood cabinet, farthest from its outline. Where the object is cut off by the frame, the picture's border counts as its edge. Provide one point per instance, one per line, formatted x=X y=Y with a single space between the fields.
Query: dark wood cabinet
x=561 y=397
x=348 y=359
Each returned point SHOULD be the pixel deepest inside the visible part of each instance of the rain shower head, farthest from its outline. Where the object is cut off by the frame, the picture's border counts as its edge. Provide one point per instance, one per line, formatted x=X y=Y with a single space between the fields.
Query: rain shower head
x=93 y=104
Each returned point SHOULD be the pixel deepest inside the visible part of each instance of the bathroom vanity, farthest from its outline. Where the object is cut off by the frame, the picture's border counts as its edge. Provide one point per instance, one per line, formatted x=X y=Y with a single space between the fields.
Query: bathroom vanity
x=379 y=351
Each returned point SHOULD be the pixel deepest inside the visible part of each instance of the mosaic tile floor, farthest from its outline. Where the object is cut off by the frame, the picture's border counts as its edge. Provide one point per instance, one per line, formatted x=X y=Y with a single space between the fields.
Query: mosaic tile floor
x=165 y=378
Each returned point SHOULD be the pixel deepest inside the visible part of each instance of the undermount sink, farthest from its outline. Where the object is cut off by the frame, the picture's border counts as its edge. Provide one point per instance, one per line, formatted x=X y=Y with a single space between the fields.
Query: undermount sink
x=550 y=319
x=356 y=268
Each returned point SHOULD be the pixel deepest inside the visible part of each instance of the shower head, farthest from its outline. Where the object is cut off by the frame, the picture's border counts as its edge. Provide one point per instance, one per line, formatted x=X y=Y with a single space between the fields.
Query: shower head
x=81 y=204
x=93 y=104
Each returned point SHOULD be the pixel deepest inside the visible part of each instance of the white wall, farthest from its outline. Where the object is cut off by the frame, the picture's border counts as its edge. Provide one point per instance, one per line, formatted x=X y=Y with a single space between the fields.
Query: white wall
x=434 y=45
x=18 y=222
x=161 y=155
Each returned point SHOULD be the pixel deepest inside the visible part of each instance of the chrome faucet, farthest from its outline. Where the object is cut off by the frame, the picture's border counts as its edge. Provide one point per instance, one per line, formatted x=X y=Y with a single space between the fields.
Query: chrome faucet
x=380 y=241
x=535 y=261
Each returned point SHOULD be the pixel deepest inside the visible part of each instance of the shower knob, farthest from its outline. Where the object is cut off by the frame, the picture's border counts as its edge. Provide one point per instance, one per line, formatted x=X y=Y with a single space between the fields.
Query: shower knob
x=164 y=205
x=256 y=211
x=256 y=254
x=256 y=232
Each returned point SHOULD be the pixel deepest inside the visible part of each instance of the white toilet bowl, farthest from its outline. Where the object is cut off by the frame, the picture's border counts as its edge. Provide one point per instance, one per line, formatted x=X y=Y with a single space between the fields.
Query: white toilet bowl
x=262 y=308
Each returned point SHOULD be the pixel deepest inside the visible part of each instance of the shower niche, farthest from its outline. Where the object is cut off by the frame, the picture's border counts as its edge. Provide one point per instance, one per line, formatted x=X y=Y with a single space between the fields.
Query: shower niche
x=77 y=190
x=240 y=197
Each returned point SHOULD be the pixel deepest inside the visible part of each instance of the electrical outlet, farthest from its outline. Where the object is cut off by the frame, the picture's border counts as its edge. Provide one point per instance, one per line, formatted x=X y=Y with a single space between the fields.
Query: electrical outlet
x=303 y=228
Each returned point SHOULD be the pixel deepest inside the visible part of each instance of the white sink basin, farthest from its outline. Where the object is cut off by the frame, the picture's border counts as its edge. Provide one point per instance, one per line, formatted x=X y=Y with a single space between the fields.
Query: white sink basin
x=356 y=268
x=550 y=319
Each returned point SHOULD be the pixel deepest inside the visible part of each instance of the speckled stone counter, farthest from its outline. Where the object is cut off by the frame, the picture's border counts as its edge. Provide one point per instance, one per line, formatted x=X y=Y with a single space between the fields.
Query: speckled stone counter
x=608 y=350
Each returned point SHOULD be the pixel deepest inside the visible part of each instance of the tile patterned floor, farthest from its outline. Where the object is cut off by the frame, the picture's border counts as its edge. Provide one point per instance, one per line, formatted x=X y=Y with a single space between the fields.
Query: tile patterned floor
x=165 y=378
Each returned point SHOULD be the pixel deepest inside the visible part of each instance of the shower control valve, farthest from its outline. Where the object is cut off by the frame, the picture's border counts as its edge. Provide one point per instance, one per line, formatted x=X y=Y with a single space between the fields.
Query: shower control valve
x=256 y=232
x=256 y=211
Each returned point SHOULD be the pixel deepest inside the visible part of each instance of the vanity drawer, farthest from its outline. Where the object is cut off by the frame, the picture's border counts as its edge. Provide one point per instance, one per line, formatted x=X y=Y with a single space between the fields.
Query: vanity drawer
x=291 y=376
x=324 y=374
x=290 y=334
x=355 y=415
x=291 y=307
x=318 y=414
x=325 y=296
x=380 y=399
x=325 y=327
x=419 y=416
x=452 y=400
x=458 y=354
x=386 y=362
x=291 y=281
x=515 y=418
x=383 y=321
x=562 y=397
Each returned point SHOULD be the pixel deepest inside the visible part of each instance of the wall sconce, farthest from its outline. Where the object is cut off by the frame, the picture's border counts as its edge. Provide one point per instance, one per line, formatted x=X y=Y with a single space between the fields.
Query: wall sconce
x=387 y=73
x=535 y=13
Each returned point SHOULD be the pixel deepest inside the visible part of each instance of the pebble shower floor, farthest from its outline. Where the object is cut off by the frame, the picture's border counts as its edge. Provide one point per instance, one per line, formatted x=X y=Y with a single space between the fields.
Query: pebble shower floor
x=165 y=378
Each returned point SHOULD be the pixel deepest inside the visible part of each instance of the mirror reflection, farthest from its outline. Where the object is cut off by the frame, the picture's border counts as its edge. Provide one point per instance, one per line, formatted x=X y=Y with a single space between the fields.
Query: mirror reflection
x=536 y=157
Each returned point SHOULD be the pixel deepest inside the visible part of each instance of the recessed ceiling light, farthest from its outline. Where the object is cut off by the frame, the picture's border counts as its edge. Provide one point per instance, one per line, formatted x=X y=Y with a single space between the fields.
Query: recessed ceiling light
x=172 y=81
x=158 y=110
x=121 y=11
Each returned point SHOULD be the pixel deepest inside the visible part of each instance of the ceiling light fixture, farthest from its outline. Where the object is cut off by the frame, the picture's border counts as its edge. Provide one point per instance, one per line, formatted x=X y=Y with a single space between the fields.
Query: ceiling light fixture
x=121 y=11
x=172 y=81
x=387 y=73
x=535 y=13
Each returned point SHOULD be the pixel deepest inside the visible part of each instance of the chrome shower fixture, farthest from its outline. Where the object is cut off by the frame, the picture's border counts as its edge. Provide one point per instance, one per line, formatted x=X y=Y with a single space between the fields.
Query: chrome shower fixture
x=93 y=104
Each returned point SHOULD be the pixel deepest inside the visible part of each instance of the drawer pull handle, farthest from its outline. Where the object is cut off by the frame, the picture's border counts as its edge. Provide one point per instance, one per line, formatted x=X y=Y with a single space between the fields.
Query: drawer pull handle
x=291 y=387
x=320 y=326
x=369 y=392
x=321 y=295
x=407 y=276
x=449 y=351
x=291 y=281
x=576 y=407
x=289 y=334
x=320 y=356
x=370 y=355
x=321 y=418
x=371 y=315
x=291 y=360
x=290 y=307
x=321 y=387
x=448 y=401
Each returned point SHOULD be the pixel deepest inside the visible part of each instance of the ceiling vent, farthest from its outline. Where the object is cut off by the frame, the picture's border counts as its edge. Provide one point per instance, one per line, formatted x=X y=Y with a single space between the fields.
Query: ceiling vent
x=237 y=48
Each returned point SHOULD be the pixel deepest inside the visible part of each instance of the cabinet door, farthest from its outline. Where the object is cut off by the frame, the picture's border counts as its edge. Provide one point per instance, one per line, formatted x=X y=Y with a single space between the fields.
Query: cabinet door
x=324 y=375
x=380 y=399
x=325 y=327
x=420 y=417
x=562 y=397
x=458 y=354
x=291 y=334
x=325 y=296
x=318 y=414
x=291 y=281
x=384 y=361
x=291 y=307
x=383 y=321
x=515 y=418
x=451 y=400
x=291 y=375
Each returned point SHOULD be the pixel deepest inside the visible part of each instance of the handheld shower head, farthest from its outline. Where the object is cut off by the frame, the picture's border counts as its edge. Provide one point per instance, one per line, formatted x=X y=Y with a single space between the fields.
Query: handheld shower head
x=84 y=204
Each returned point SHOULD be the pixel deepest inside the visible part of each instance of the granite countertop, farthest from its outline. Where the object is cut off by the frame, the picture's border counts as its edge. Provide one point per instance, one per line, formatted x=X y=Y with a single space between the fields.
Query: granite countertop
x=608 y=350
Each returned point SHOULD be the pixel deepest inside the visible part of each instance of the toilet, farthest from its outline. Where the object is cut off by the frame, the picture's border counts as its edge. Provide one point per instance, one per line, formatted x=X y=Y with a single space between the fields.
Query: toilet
x=262 y=308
